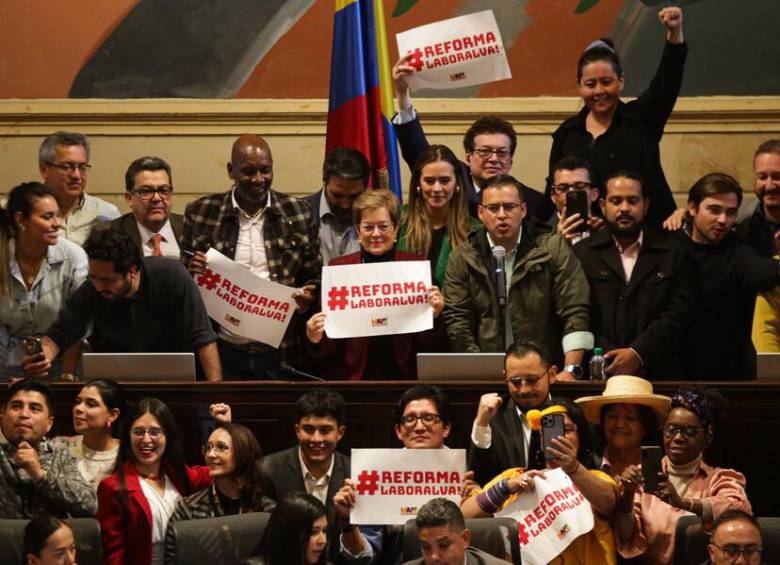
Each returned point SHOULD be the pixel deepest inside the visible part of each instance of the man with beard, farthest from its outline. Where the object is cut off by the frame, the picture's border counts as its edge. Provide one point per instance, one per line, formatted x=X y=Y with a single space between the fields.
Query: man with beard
x=730 y=273
x=271 y=234
x=133 y=305
x=761 y=228
x=642 y=285
x=345 y=175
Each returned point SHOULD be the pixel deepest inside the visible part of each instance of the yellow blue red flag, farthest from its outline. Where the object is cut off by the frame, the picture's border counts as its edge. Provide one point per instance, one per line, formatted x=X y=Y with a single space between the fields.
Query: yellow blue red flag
x=361 y=89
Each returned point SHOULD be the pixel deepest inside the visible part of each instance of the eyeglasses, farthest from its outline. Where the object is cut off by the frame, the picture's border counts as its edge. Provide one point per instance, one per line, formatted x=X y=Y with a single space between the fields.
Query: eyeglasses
x=410 y=420
x=148 y=192
x=563 y=187
x=732 y=552
x=486 y=152
x=220 y=447
x=369 y=228
x=670 y=430
x=71 y=167
x=154 y=433
x=508 y=207
x=528 y=380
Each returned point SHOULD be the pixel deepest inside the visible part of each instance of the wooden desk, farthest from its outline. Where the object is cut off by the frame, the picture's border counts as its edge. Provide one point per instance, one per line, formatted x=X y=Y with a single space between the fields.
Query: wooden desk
x=750 y=442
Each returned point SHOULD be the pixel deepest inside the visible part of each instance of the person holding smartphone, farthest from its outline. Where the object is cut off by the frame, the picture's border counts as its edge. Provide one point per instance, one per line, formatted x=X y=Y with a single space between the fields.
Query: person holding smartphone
x=645 y=528
x=39 y=271
x=575 y=193
x=571 y=452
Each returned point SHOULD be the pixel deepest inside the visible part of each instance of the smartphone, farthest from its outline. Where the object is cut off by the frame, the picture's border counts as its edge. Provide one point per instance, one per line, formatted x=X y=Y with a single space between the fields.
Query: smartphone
x=552 y=427
x=651 y=467
x=32 y=345
x=577 y=203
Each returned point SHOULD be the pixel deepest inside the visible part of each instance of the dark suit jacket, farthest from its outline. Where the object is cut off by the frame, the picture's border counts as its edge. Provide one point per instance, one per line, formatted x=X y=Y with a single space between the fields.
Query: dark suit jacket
x=652 y=311
x=126 y=223
x=474 y=556
x=413 y=142
x=313 y=200
x=282 y=474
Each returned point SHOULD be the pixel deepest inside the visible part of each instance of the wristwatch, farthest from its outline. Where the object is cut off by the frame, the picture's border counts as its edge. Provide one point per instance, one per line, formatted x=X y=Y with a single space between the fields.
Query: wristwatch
x=575 y=370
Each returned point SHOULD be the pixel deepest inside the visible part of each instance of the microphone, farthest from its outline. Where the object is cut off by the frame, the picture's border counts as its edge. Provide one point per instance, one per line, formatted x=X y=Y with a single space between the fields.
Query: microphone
x=499 y=252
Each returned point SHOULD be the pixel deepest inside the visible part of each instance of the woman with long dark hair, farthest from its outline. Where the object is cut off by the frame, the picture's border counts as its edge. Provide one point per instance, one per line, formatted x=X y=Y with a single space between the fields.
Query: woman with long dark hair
x=615 y=135
x=296 y=534
x=436 y=218
x=136 y=501
x=97 y=413
x=39 y=270
x=233 y=457
x=48 y=541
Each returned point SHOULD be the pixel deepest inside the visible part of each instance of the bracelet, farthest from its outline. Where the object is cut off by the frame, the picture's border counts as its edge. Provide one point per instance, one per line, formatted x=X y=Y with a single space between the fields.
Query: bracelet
x=574 y=472
x=490 y=500
x=690 y=508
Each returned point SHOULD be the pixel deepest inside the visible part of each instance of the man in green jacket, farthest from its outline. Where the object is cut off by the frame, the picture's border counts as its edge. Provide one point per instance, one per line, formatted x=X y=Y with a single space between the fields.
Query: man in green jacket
x=546 y=290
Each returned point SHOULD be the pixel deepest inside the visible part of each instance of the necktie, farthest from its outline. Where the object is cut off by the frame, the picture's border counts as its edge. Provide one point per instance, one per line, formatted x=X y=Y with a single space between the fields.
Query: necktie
x=156 y=239
x=535 y=455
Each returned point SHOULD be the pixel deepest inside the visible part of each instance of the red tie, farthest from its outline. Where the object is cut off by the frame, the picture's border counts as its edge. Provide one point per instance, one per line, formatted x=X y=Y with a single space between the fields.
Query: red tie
x=156 y=239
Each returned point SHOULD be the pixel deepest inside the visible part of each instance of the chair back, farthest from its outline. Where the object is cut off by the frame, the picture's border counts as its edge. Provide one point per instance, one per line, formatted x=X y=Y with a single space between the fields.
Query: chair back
x=86 y=532
x=225 y=540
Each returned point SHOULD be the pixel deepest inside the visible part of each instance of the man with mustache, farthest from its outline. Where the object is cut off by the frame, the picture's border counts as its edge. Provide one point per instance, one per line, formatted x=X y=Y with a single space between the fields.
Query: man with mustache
x=345 y=175
x=268 y=232
x=150 y=223
x=642 y=285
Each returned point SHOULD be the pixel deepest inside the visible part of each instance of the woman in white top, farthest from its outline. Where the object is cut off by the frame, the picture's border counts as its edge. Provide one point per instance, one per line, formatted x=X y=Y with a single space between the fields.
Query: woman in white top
x=39 y=270
x=97 y=413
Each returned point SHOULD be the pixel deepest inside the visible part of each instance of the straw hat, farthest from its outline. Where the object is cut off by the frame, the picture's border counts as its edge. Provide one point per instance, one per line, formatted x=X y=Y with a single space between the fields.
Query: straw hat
x=625 y=389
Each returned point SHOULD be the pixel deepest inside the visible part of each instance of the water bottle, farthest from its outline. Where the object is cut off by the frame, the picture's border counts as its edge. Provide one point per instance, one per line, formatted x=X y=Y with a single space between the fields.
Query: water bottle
x=597 y=364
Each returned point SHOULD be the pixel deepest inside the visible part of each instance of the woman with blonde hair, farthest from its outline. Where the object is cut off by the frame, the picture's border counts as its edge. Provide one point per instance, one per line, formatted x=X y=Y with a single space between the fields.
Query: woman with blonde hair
x=436 y=219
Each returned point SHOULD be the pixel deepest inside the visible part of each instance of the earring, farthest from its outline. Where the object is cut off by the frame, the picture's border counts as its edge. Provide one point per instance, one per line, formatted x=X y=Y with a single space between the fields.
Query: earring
x=457 y=189
x=21 y=227
x=418 y=190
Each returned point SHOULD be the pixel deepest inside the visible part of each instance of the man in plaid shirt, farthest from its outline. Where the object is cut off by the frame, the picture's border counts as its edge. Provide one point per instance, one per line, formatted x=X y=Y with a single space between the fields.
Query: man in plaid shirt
x=270 y=233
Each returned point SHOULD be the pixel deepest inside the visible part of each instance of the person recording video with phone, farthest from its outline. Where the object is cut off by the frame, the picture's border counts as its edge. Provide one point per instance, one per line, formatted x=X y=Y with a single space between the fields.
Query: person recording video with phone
x=39 y=271
x=569 y=449
x=575 y=193
x=645 y=528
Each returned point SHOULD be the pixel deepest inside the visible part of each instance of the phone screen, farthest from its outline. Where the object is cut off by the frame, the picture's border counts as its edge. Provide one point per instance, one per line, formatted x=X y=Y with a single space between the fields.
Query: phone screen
x=552 y=427
x=33 y=345
x=651 y=466
x=577 y=203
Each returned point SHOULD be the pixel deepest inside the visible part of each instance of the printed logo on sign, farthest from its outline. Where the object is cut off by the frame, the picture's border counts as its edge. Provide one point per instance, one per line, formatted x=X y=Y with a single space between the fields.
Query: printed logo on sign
x=233 y=320
x=453 y=51
x=563 y=531
x=458 y=76
x=408 y=511
x=378 y=295
x=377 y=322
x=408 y=483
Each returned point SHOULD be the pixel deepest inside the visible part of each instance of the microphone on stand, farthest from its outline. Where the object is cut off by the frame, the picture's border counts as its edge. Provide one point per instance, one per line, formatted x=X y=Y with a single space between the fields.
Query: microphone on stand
x=499 y=252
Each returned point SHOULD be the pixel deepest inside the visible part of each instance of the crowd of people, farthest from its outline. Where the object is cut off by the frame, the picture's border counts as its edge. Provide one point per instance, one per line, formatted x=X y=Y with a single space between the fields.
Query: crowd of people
x=600 y=258
x=125 y=467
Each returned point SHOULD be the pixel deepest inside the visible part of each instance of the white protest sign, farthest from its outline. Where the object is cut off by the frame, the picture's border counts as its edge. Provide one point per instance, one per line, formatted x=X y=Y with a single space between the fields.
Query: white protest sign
x=550 y=517
x=462 y=51
x=244 y=303
x=376 y=298
x=391 y=484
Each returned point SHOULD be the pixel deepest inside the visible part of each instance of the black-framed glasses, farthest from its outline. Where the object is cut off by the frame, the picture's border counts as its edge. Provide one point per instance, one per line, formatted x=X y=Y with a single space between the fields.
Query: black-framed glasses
x=83 y=168
x=148 y=192
x=486 y=152
x=508 y=207
x=220 y=447
x=528 y=380
x=564 y=187
x=428 y=419
x=732 y=552
x=671 y=430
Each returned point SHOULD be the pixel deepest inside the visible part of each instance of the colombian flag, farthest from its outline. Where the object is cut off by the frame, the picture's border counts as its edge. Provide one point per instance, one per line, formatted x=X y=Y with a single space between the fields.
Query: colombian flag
x=361 y=89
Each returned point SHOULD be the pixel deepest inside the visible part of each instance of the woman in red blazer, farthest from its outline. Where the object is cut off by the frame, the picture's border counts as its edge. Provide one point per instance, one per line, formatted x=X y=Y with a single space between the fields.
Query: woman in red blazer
x=391 y=357
x=149 y=478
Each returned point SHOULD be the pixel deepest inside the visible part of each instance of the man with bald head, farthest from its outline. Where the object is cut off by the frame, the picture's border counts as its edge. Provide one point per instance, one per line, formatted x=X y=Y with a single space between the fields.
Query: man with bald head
x=270 y=233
